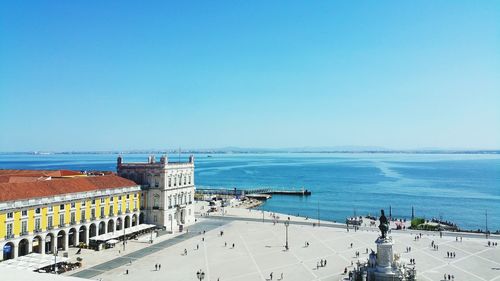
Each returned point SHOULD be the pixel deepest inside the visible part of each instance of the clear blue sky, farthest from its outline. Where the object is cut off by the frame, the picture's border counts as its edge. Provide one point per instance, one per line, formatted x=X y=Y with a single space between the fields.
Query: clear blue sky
x=99 y=75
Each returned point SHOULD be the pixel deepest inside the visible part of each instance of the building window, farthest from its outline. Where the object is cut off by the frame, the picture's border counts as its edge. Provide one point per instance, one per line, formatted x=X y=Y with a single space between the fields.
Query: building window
x=111 y=213
x=102 y=200
x=185 y=179
x=10 y=215
x=169 y=182
x=169 y=217
x=135 y=204
x=83 y=215
x=24 y=213
x=24 y=227
x=155 y=218
x=37 y=211
x=73 y=205
x=93 y=201
x=92 y=213
x=37 y=224
x=9 y=229
x=49 y=221
x=61 y=207
x=156 y=201
x=102 y=212
x=119 y=208
x=51 y=208
x=189 y=179
x=135 y=195
x=83 y=203
x=61 y=219
x=73 y=217
x=112 y=198
x=128 y=196
x=128 y=206
x=170 y=201
x=120 y=197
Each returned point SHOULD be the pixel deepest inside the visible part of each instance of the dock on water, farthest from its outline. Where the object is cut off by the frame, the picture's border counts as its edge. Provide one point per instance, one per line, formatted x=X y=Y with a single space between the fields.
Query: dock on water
x=253 y=191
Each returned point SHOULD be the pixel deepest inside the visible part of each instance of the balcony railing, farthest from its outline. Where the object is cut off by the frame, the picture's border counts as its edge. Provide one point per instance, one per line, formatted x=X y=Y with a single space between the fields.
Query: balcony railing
x=83 y=221
x=9 y=236
x=72 y=222
x=127 y=211
x=37 y=230
x=50 y=227
x=62 y=225
x=119 y=212
x=23 y=233
x=102 y=216
x=135 y=210
x=92 y=218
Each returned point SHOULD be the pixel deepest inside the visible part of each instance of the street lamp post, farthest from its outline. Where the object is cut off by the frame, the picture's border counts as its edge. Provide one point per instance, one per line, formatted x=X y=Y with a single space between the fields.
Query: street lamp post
x=124 y=237
x=287 y=223
x=55 y=260
x=200 y=275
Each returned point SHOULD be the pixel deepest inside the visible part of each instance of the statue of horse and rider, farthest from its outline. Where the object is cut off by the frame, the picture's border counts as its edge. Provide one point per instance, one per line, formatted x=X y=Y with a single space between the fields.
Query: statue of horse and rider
x=384 y=225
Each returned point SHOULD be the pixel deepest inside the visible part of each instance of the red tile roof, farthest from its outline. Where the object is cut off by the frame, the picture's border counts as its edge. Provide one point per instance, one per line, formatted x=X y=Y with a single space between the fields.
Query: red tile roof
x=48 y=188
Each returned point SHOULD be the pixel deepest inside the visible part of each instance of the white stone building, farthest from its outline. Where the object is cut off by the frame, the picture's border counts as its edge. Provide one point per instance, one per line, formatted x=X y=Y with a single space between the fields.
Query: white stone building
x=167 y=190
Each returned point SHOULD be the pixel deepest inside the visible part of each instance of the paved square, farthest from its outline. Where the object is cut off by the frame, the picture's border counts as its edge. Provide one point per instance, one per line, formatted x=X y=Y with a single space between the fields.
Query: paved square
x=259 y=251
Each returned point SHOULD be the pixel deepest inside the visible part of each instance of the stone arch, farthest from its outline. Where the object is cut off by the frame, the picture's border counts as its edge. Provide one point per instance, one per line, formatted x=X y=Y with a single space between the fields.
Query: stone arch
x=82 y=234
x=141 y=218
x=127 y=221
x=49 y=243
x=92 y=230
x=72 y=237
x=61 y=240
x=111 y=225
x=102 y=228
x=23 y=247
x=119 y=224
x=8 y=251
x=37 y=244
x=134 y=219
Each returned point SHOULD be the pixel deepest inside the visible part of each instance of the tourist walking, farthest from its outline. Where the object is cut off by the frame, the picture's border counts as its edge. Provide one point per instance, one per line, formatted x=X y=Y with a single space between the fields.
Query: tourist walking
x=271 y=276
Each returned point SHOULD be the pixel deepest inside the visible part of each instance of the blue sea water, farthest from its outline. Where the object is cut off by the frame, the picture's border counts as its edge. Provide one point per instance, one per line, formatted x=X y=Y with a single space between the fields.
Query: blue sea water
x=458 y=187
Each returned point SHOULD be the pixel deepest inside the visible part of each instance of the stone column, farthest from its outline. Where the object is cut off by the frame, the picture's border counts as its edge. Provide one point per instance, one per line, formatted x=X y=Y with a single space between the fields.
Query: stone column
x=87 y=233
x=77 y=237
x=66 y=240
x=54 y=243
x=42 y=247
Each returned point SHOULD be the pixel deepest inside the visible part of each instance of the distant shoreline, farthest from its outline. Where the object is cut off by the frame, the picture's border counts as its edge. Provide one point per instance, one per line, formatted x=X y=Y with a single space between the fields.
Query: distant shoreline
x=256 y=152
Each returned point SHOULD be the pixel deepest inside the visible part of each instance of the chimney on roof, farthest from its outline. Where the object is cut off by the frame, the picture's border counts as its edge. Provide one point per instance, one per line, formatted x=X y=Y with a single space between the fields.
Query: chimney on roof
x=119 y=160
x=163 y=159
x=151 y=159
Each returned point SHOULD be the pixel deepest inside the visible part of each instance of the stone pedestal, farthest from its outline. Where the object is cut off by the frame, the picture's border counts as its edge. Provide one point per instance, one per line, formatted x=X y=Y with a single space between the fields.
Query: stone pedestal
x=385 y=258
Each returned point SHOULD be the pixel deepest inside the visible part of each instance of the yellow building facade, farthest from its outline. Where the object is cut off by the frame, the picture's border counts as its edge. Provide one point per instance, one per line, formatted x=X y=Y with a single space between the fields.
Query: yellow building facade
x=56 y=221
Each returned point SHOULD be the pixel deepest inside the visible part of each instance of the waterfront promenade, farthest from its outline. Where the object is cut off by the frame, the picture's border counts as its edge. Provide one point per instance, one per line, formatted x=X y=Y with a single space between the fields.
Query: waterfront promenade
x=259 y=251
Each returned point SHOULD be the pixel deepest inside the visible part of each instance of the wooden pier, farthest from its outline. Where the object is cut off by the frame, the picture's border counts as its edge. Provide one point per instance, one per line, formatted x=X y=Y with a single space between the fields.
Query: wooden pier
x=253 y=191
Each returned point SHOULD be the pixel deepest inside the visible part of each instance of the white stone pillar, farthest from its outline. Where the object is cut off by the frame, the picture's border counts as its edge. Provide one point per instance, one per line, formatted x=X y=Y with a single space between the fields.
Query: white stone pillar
x=66 y=240
x=16 y=249
x=77 y=237
x=54 y=243
x=87 y=230
x=42 y=246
